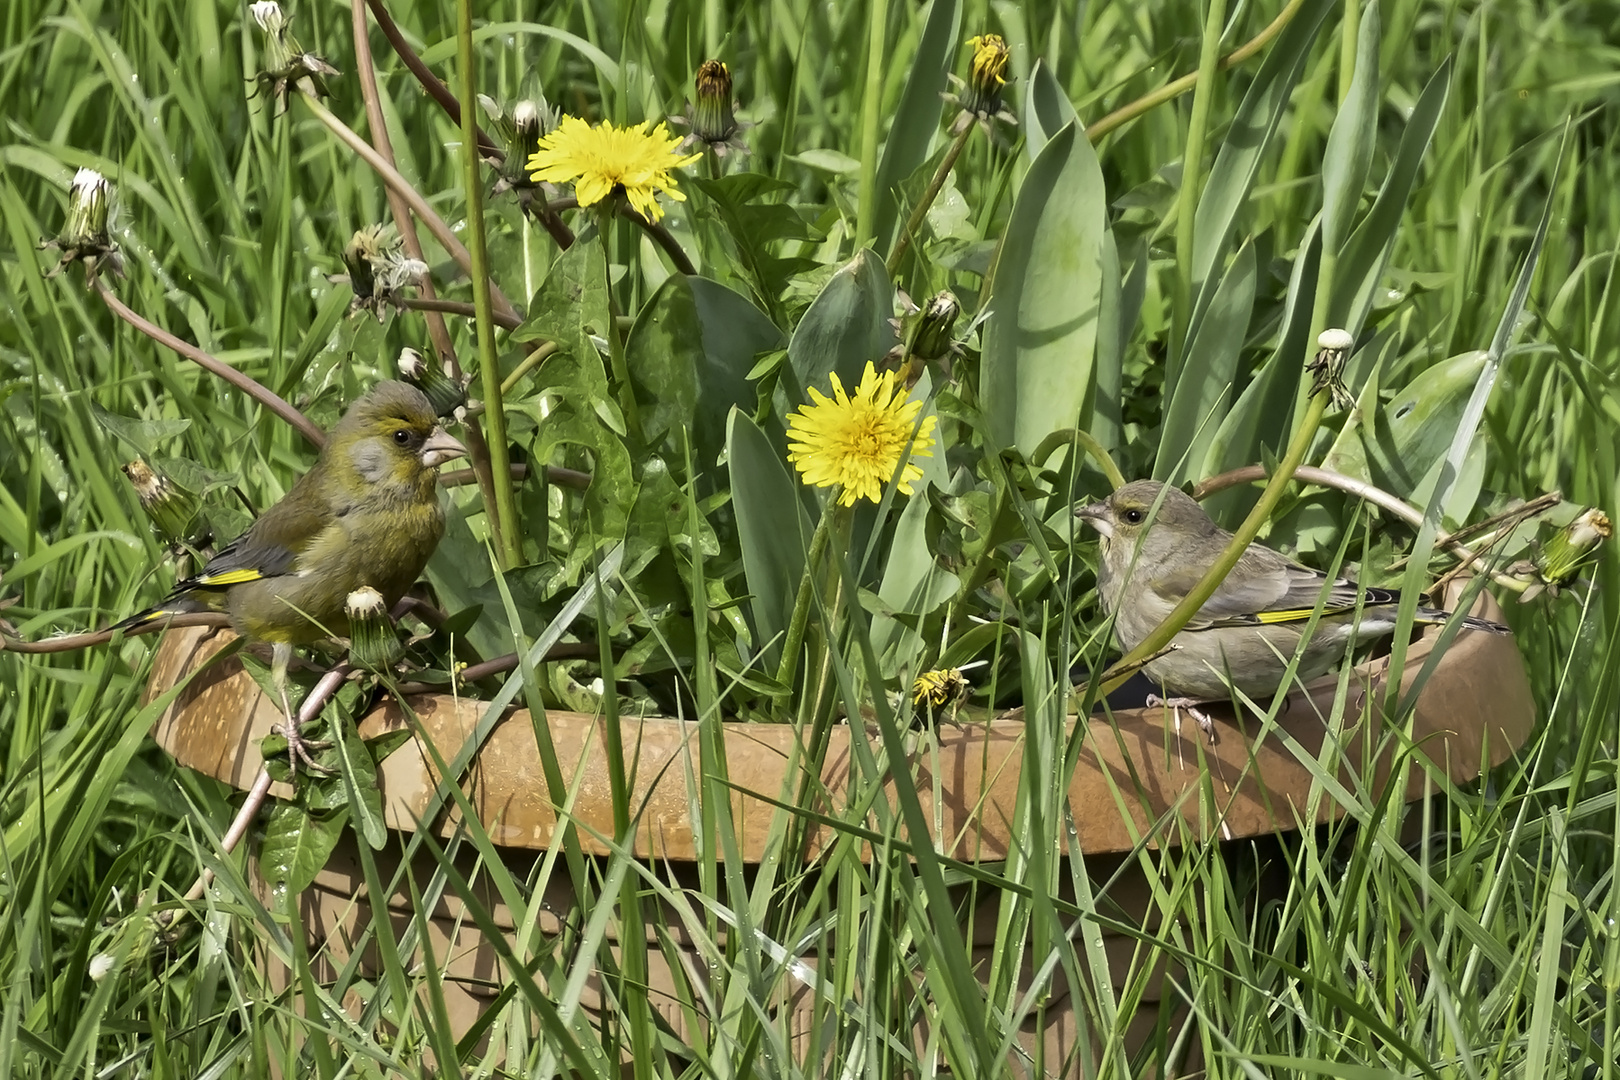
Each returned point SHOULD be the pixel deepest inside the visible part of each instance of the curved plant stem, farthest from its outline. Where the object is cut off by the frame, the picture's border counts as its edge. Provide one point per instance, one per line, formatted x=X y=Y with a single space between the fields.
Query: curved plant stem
x=664 y=239
x=74 y=642
x=1391 y=504
x=243 y=382
x=419 y=206
x=1172 y=90
x=459 y=307
x=1091 y=446
x=439 y=92
x=535 y=358
x=503 y=511
x=920 y=211
x=555 y=474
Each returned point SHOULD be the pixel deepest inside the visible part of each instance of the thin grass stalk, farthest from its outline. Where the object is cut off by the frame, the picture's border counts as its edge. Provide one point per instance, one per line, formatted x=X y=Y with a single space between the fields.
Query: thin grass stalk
x=405 y=225
x=871 y=115
x=1174 y=89
x=1192 y=172
x=503 y=511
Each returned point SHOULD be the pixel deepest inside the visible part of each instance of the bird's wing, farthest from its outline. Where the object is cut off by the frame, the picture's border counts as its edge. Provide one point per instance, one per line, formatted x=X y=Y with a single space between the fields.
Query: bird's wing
x=1265 y=589
x=270 y=547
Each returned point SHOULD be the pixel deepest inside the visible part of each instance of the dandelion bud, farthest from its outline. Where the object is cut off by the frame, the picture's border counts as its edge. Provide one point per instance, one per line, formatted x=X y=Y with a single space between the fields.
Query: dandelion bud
x=84 y=234
x=1574 y=546
x=446 y=394
x=373 y=642
x=931 y=333
x=101 y=965
x=987 y=75
x=285 y=62
x=714 y=118
x=171 y=508
x=1327 y=369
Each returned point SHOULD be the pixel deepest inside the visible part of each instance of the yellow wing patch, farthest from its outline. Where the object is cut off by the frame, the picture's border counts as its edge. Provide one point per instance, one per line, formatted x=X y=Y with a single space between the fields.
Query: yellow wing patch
x=230 y=577
x=1268 y=618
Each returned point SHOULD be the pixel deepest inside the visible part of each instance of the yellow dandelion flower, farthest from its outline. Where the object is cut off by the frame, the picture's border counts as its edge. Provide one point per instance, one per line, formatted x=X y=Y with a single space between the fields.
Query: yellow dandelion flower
x=600 y=159
x=988 y=74
x=857 y=442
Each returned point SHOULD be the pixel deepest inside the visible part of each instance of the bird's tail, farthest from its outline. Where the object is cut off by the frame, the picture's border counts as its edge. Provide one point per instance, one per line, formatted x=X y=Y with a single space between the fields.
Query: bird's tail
x=176 y=606
x=1435 y=615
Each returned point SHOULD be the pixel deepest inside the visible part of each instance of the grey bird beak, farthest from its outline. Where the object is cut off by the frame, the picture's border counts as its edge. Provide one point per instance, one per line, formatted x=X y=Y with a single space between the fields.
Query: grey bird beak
x=441 y=447
x=1096 y=515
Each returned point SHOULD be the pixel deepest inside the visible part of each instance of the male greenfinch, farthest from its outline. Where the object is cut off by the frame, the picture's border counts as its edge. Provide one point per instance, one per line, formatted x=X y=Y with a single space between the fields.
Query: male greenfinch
x=367 y=514
x=1157 y=542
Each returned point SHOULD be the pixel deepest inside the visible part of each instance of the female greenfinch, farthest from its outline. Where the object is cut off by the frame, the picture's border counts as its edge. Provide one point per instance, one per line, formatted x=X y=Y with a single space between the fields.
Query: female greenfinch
x=367 y=514
x=1157 y=542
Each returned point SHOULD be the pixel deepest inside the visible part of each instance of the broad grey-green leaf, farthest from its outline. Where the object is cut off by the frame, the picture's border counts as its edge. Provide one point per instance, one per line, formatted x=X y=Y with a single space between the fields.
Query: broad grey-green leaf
x=846 y=326
x=913 y=583
x=772 y=528
x=1350 y=140
x=916 y=118
x=1045 y=293
x=1204 y=391
x=1367 y=251
x=689 y=353
x=1259 y=422
x=1046 y=109
x=1231 y=178
x=1396 y=446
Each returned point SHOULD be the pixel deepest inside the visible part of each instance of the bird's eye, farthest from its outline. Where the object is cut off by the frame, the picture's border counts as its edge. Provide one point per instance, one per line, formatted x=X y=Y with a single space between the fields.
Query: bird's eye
x=402 y=437
x=1133 y=516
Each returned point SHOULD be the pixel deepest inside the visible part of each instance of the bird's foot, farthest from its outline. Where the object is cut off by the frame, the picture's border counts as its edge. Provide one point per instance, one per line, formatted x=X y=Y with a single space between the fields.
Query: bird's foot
x=298 y=749
x=1205 y=722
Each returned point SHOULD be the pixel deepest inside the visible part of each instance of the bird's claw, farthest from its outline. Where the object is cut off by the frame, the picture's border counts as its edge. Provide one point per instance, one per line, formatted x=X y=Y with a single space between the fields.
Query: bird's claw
x=1205 y=722
x=298 y=749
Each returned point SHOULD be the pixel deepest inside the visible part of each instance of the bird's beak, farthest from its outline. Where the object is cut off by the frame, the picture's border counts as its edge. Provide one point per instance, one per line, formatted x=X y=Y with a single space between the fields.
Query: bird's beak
x=1096 y=515
x=441 y=447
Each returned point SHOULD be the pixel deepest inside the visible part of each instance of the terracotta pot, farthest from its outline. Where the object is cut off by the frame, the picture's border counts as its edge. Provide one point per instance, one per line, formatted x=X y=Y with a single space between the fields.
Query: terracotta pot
x=1474 y=711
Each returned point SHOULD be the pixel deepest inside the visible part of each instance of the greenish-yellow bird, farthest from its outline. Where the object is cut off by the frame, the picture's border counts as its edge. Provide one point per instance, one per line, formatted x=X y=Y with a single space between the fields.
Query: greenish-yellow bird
x=366 y=514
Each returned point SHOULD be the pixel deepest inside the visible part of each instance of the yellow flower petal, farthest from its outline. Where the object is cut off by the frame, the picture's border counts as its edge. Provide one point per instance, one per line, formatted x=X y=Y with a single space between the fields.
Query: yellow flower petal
x=598 y=160
x=857 y=442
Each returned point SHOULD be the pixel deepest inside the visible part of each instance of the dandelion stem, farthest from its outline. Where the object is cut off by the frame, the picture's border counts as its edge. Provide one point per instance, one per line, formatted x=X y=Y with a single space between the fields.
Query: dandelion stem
x=241 y=380
x=793 y=644
x=617 y=363
x=504 y=517
x=920 y=211
x=877 y=59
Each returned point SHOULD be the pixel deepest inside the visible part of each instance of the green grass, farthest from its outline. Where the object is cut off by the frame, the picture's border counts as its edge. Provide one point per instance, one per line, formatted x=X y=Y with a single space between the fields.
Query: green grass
x=1488 y=951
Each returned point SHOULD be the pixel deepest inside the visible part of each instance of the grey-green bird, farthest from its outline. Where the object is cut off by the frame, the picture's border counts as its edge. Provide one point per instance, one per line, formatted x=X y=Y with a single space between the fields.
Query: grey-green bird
x=1154 y=552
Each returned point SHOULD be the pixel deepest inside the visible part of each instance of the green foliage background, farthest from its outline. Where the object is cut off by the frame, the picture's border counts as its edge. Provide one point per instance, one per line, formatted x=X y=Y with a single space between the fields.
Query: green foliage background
x=230 y=221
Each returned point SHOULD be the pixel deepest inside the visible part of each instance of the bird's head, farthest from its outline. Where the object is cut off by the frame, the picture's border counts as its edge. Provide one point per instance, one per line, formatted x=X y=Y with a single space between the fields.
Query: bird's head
x=392 y=438
x=1126 y=516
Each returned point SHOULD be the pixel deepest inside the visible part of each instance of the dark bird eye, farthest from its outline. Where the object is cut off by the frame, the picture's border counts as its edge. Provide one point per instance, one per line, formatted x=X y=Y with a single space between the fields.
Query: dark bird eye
x=1133 y=516
x=402 y=437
